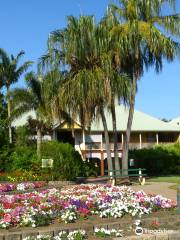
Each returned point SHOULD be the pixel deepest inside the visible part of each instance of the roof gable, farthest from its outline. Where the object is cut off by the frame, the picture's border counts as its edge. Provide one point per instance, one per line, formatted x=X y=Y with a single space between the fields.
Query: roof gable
x=175 y=121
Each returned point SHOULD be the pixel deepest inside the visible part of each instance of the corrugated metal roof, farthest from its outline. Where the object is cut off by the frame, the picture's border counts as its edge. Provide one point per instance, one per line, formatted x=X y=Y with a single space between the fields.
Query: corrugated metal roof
x=141 y=122
x=175 y=122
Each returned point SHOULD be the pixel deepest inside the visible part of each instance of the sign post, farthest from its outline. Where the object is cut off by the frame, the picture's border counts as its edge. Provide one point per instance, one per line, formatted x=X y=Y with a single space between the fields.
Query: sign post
x=47 y=163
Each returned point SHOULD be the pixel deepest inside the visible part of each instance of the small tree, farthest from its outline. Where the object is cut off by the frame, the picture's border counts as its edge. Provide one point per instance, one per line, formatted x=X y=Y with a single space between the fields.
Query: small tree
x=31 y=98
x=10 y=73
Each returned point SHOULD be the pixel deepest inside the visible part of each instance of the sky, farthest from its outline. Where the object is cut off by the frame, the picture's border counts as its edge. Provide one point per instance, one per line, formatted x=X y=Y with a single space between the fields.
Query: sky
x=26 y=24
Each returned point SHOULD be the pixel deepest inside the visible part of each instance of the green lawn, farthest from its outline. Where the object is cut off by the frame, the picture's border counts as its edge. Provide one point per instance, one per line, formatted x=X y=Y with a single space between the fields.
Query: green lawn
x=170 y=179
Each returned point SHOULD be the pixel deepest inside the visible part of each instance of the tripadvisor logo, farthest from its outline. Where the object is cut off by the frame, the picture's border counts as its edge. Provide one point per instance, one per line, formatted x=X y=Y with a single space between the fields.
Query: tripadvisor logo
x=139 y=230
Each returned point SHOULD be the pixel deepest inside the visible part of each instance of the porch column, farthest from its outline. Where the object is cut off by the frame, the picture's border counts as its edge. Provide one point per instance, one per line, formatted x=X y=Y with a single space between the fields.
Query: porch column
x=140 y=141
x=102 y=163
x=157 y=138
x=83 y=138
x=122 y=139
x=178 y=140
x=101 y=142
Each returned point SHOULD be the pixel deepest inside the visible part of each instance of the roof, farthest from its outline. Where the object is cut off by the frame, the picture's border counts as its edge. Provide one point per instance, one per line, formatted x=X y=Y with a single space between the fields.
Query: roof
x=175 y=122
x=141 y=122
x=21 y=121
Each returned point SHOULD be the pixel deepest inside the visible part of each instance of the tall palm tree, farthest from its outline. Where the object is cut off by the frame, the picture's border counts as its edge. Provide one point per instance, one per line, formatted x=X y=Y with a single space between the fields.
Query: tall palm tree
x=120 y=84
x=89 y=87
x=88 y=56
x=10 y=72
x=76 y=49
x=144 y=42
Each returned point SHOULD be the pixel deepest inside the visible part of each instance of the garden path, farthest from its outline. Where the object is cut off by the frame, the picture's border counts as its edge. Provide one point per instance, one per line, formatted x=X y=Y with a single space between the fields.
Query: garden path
x=158 y=188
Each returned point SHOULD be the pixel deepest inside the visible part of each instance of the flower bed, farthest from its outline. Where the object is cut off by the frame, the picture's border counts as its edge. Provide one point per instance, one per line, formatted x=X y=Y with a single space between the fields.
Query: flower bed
x=78 y=235
x=8 y=187
x=40 y=208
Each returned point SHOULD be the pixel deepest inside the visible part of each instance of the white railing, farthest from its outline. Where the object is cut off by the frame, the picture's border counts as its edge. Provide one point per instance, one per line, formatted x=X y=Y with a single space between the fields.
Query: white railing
x=98 y=146
x=112 y=146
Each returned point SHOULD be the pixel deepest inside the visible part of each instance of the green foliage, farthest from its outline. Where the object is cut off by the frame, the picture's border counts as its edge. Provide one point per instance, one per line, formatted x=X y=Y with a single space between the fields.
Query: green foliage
x=22 y=136
x=3 y=122
x=42 y=219
x=90 y=170
x=10 y=71
x=24 y=175
x=163 y=159
x=5 y=161
x=23 y=157
x=67 y=162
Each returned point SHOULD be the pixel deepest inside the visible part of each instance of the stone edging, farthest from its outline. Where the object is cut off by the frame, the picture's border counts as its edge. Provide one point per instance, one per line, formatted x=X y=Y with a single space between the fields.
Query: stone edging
x=174 y=235
x=19 y=234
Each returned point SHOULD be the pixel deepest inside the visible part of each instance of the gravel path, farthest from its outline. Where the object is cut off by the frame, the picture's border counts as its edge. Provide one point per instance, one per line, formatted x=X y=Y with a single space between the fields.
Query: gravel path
x=161 y=188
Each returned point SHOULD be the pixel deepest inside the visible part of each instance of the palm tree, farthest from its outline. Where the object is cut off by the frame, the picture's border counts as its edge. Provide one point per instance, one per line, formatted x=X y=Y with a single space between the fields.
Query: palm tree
x=31 y=98
x=85 y=88
x=41 y=97
x=144 y=43
x=119 y=81
x=89 y=87
x=10 y=73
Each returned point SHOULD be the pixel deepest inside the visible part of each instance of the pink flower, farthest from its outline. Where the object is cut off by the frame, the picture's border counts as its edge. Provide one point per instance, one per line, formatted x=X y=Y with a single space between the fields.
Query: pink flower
x=7 y=218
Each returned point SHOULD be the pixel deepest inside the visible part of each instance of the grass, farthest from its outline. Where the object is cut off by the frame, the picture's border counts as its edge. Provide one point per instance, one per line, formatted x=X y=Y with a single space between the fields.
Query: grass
x=169 y=179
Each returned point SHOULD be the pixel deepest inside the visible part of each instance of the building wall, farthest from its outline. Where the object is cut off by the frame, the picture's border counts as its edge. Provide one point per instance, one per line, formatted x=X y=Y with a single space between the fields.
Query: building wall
x=93 y=145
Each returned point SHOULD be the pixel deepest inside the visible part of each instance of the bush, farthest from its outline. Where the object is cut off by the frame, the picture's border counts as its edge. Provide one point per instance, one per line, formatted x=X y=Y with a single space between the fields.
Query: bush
x=163 y=159
x=67 y=164
x=90 y=170
x=5 y=162
x=24 y=158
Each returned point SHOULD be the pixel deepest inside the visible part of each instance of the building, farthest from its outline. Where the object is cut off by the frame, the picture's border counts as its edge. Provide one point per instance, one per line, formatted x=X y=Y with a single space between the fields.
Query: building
x=147 y=132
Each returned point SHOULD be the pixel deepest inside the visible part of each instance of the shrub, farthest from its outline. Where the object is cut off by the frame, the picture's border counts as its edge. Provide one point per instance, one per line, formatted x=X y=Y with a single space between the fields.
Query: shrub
x=67 y=164
x=163 y=159
x=24 y=157
x=90 y=170
x=5 y=162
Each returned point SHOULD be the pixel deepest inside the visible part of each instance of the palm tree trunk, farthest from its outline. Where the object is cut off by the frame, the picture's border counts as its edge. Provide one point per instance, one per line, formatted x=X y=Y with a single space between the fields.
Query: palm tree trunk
x=108 y=151
x=39 y=142
x=9 y=115
x=129 y=126
x=116 y=156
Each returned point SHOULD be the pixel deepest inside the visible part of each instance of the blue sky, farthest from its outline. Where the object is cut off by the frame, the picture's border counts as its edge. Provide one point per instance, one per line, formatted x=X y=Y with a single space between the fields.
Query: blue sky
x=26 y=25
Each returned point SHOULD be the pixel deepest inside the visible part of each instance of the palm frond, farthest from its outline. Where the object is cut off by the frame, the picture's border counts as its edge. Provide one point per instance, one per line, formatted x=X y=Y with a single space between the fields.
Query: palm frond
x=20 y=96
x=34 y=86
x=23 y=68
x=4 y=58
x=171 y=23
